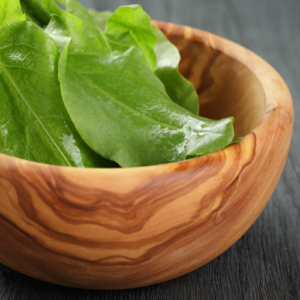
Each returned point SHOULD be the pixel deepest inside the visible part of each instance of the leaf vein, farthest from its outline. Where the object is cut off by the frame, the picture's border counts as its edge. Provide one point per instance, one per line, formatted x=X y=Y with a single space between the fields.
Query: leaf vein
x=74 y=73
x=124 y=105
x=28 y=46
x=55 y=117
x=34 y=71
x=30 y=109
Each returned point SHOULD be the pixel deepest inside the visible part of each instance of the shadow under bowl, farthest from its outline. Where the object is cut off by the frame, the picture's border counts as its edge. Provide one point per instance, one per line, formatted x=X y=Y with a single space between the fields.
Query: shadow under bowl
x=125 y=228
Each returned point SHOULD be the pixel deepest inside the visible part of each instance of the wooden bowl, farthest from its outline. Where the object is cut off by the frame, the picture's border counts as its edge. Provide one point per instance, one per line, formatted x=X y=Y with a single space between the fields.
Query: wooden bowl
x=125 y=228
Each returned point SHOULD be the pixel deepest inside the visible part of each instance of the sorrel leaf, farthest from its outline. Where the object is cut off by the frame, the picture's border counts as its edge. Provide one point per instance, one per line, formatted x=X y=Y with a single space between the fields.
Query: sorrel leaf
x=26 y=10
x=36 y=12
x=34 y=123
x=130 y=26
x=180 y=90
x=10 y=11
x=57 y=30
x=100 y=17
x=89 y=25
x=131 y=120
x=121 y=109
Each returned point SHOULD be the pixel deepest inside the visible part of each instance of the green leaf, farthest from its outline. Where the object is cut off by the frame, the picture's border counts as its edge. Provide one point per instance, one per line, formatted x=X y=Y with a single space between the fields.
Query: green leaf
x=121 y=109
x=73 y=26
x=10 y=11
x=130 y=26
x=236 y=140
x=100 y=17
x=30 y=15
x=36 y=12
x=124 y=30
x=89 y=25
x=57 y=30
x=127 y=116
x=34 y=122
x=180 y=90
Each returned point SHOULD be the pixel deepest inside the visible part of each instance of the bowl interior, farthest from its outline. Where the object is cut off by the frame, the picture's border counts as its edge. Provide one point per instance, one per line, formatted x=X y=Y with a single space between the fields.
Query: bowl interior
x=225 y=86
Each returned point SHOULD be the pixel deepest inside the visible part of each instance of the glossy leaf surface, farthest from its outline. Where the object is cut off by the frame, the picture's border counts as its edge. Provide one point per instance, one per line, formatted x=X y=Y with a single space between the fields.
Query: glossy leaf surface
x=34 y=123
x=100 y=17
x=57 y=30
x=35 y=11
x=30 y=16
x=130 y=26
x=10 y=11
x=128 y=117
x=121 y=109
x=180 y=90
x=89 y=25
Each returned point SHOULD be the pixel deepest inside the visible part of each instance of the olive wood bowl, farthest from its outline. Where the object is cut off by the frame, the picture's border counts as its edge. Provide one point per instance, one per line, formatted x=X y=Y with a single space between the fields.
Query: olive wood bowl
x=125 y=228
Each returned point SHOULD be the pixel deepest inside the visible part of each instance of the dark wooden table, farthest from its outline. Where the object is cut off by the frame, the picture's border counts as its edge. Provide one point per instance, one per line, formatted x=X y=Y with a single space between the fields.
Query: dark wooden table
x=265 y=262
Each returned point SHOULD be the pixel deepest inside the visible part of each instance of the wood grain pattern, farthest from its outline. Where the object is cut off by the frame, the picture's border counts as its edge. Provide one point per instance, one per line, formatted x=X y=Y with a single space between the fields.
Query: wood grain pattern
x=112 y=229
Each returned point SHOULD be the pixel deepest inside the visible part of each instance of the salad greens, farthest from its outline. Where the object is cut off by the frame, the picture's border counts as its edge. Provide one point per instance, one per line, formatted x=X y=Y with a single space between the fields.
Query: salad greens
x=179 y=89
x=88 y=89
x=34 y=122
x=35 y=12
x=100 y=17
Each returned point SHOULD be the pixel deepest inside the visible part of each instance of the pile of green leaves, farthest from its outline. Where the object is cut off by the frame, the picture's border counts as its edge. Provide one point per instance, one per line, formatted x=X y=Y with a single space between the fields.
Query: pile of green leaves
x=96 y=89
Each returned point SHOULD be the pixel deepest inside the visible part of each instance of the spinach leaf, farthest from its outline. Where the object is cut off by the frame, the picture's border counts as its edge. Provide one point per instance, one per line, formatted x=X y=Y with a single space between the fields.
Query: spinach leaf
x=180 y=90
x=89 y=25
x=35 y=12
x=30 y=15
x=57 y=30
x=100 y=17
x=10 y=11
x=121 y=109
x=34 y=123
x=130 y=26
x=120 y=33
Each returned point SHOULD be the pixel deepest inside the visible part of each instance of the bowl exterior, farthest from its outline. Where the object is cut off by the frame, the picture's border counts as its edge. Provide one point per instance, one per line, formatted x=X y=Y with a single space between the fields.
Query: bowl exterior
x=113 y=229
